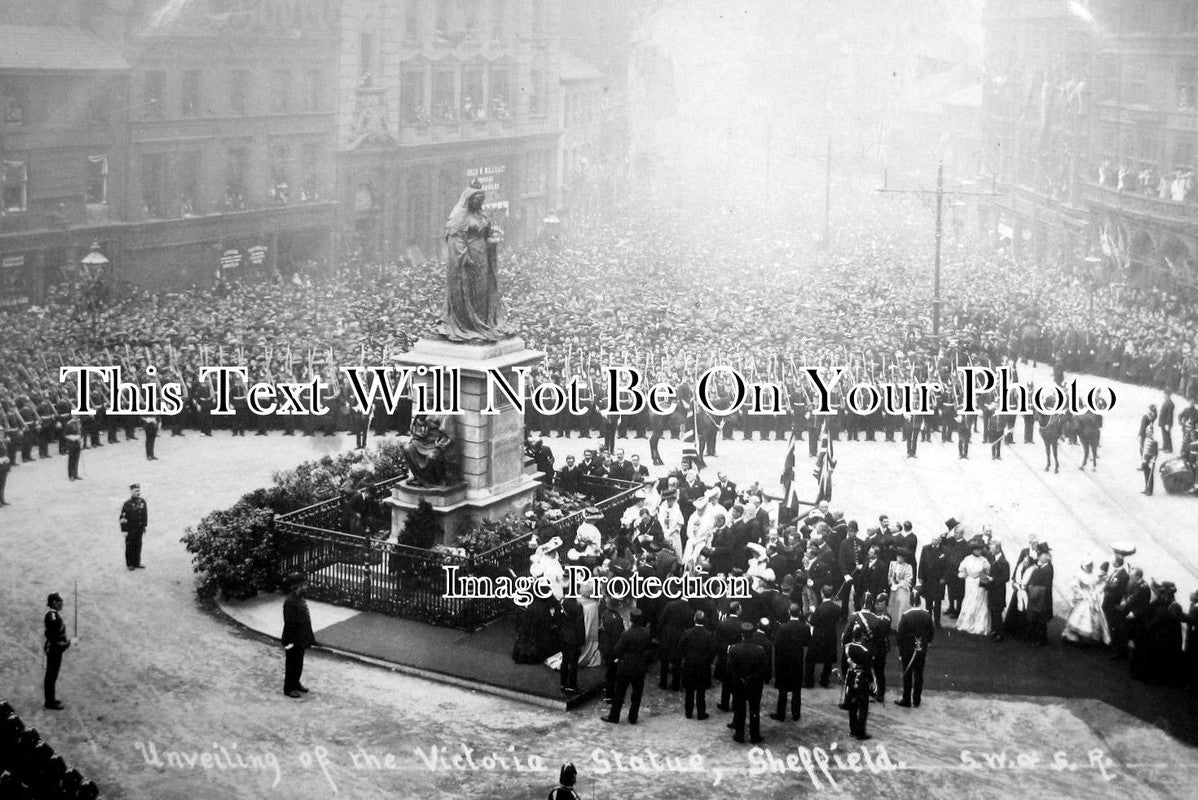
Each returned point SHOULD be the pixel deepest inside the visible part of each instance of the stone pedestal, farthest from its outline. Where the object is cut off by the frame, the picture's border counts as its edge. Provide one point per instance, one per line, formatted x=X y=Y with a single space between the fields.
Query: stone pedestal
x=495 y=479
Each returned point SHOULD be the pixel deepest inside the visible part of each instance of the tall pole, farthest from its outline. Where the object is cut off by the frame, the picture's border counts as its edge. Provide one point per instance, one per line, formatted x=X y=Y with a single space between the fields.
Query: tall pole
x=939 y=236
x=828 y=194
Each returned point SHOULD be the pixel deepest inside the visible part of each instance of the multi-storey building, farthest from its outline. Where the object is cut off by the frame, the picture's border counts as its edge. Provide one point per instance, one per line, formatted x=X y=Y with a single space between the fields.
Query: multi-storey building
x=231 y=118
x=63 y=83
x=1036 y=126
x=190 y=138
x=1139 y=178
x=437 y=94
x=1092 y=131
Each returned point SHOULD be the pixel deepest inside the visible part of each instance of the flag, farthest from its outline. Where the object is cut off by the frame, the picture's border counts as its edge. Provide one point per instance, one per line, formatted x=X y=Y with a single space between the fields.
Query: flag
x=789 y=497
x=690 y=429
x=824 y=464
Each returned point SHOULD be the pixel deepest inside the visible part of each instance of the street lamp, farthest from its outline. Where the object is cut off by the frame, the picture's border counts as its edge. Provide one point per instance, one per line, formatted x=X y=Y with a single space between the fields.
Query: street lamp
x=92 y=265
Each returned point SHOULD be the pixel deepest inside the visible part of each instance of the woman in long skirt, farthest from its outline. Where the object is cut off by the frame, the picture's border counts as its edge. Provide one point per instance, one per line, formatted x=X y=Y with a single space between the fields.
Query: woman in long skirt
x=975 y=608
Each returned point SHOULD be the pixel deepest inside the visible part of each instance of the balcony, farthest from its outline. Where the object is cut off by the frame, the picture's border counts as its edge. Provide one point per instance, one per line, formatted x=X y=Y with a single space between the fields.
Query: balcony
x=1147 y=207
x=415 y=134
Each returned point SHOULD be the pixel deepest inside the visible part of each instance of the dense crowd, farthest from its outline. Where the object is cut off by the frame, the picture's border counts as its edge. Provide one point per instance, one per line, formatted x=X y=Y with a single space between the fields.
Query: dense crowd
x=671 y=289
x=823 y=587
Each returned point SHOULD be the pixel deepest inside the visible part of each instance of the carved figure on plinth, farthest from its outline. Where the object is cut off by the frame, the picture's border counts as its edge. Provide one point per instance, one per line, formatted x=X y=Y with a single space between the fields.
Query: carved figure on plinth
x=431 y=452
x=474 y=311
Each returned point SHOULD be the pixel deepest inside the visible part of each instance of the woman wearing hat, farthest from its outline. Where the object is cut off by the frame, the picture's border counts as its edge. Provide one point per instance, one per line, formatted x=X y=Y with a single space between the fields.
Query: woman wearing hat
x=901 y=578
x=975 y=608
x=1086 y=623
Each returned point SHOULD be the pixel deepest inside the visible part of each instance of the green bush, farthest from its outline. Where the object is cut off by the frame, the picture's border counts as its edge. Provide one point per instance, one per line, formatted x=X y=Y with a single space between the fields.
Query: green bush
x=422 y=528
x=235 y=551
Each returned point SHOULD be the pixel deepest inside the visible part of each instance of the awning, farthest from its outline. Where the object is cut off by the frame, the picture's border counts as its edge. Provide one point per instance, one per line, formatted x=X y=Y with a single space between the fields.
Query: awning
x=56 y=49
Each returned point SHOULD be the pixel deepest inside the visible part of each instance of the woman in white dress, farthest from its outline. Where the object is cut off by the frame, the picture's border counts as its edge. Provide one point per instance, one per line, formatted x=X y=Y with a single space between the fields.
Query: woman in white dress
x=901 y=578
x=1086 y=623
x=975 y=608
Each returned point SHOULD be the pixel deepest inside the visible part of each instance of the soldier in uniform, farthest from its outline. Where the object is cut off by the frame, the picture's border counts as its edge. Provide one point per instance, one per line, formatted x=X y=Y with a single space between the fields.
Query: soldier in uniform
x=56 y=644
x=45 y=422
x=31 y=427
x=696 y=649
x=1148 y=458
x=134 y=518
x=915 y=633
x=149 y=428
x=858 y=684
x=748 y=669
x=1050 y=432
x=72 y=437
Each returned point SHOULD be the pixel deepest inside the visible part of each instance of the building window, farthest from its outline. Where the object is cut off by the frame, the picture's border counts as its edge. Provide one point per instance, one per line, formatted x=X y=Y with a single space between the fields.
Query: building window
x=415 y=106
x=189 y=182
x=16 y=186
x=313 y=94
x=312 y=158
x=536 y=80
x=153 y=185
x=366 y=59
x=239 y=89
x=191 y=93
x=280 y=166
x=412 y=20
x=280 y=91
x=444 y=103
x=13 y=98
x=237 y=167
x=152 y=93
x=470 y=12
x=1183 y=152
x=473 y=104
x=501 y=94
x=442 y=28
x=96 y=192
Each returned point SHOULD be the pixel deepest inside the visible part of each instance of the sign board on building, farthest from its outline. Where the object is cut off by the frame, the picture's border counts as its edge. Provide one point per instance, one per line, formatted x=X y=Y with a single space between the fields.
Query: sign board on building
x=492 y=179
x=257 y=255
x=12 y=282
x=230 y=259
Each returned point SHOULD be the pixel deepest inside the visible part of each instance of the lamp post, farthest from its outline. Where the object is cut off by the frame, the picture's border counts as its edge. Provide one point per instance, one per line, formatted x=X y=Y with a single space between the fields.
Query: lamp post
x=91 y=273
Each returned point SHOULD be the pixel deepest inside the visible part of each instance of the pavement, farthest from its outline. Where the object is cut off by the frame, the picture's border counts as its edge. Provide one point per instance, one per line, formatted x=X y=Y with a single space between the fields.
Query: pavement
x=159 y=678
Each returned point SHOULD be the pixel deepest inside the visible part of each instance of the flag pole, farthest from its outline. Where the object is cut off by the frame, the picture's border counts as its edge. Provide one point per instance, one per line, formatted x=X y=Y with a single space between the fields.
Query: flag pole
x=76 y=609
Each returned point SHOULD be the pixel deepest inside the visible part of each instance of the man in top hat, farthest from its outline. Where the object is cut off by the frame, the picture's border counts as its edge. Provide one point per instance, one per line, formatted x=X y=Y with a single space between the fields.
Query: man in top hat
x=1039 y=598
x=134 y=518
x=611 y=628
x=632 y=662
x=915 y=634
x=1165 y=422
x=933 y=573
x=297 y=635
x=790 y=644
x=748 y=669
x=56 y=644
x=823 y=639
x=571 y=626
x=1113 y=594
x=696 y=652
x=858 y=685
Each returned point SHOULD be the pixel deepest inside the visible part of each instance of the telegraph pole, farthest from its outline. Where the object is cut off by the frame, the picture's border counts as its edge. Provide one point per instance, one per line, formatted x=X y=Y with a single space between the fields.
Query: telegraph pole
x=939 y=193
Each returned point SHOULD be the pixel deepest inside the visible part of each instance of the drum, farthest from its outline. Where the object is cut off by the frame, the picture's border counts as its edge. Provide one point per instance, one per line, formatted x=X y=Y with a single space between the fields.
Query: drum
x=1176 y=477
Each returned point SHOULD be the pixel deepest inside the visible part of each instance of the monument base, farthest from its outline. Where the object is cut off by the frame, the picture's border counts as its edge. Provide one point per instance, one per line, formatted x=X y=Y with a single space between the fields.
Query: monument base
x=456 y=510
x=496 y=479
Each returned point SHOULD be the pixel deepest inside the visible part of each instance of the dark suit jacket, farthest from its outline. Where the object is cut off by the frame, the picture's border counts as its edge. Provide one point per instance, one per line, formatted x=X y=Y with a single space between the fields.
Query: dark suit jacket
x=571 y=625
x=790 y=643
x=611 y=628
x=297 y=622
x=676 y=617
x=874 y=579
x=696 y=651
x=933 y=568
x=727 y=494
x=915 y=623
x=850 y=556
x=823 y=631
x=1000 y=573
x=632 y=652
x=1165 y=420
x=748 y=665
x=135 y=515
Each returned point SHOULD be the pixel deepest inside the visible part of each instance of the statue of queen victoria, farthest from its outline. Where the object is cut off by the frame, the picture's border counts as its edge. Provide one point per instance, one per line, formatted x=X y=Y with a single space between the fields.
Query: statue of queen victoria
x=474 y=311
